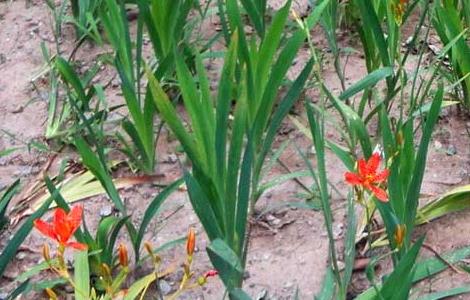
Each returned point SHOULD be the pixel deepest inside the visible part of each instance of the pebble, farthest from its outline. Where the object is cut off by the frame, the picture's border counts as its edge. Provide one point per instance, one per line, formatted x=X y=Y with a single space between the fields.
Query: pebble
x=266 y=256
x=165 y=287
x=106 y=211
x=338 y=231
x=246 y=275
x=437 y=145
x=288 y=285
x=451 y=150
x=341 y=265
x=172 y=158
x=3 y=296
x=262 y=295
x=21 y=255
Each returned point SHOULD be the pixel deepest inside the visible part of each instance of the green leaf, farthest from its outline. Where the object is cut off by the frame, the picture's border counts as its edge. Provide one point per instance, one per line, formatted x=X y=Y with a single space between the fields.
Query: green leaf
x=82 y=276
x=227 y=263
x=34 y=270
x=8 y=151
x=370 y=80
x=455 y=200
x=427 y=268
x=328 y=286
x=14 y=243
x=445 y=294
x=152 y=209
x=412 y=195
x=22 y=289
x=398 y=284
x=5 y=200
x=139 y=286
x=239 y=294
x=202 y=207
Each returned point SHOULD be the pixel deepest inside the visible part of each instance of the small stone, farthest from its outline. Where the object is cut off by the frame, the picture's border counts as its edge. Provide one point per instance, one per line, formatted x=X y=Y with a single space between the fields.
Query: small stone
x=288 y=285
x=165 y=287
x=341 y=265
x=172 y=158
x=437 y=145
x=106 y=211
x=246 y=275
x=262 y=295
x=451 y=150
x=270 y=218
x=338 y=231
x=115 y=82
x=21 y=255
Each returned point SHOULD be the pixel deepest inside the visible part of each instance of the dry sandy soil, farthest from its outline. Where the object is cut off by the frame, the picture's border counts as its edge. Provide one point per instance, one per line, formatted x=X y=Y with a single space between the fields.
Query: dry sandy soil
x=288 y=246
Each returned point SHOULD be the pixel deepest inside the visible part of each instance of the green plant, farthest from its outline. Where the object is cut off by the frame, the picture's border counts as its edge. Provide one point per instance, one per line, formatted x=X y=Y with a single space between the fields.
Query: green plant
x=85 y=18
x=227 y=155
x=5 y=201
x=64 y=225
x=63 y=117
x=164 y=21
x=451 y=20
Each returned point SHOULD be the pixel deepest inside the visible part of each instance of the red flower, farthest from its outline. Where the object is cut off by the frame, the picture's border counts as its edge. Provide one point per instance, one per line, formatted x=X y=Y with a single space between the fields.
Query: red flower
x=368 y=178
x=210 y=273
x=63 y=226
x=191 y=242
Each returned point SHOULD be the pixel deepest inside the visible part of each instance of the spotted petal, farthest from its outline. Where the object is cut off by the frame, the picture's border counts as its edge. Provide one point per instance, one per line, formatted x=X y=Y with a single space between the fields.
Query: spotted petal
x=379 y=193
x=352 y=178
x=77 y=245
x=373 y=163
x=74 y=218
x=45 y=228
x=362 y=167
x=382 y=176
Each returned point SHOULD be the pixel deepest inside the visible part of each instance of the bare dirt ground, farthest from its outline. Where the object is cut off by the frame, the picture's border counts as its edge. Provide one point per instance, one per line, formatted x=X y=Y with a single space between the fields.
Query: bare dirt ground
x=288 y=247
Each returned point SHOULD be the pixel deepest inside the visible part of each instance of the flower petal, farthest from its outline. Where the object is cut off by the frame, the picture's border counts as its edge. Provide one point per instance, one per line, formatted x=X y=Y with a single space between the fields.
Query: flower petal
x=59 y=216
x=362 y=167
x=61 y=225
x=382 y=176
x=379 y=193
x=352 y=178
x=77 y=245
x=45 y=228
x=74 y=218
x=373 y=163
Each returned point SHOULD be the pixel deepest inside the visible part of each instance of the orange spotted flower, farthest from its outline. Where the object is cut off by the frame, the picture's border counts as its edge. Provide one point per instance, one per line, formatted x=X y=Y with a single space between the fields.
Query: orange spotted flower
x=368 y=177
x=62 y=227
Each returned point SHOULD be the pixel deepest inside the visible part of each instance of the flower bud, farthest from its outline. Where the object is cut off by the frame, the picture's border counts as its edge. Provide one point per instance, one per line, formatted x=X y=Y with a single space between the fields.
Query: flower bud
x=52 y=295
x=399 y=137
x=148 y=247
x=106 y=270
x=191 y=242
x=399 y=235
x=45 y=252
x=123 y=257
x=201 y=280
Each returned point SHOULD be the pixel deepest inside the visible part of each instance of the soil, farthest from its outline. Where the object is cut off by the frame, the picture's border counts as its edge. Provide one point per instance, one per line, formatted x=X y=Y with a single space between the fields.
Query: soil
x=289 y=247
